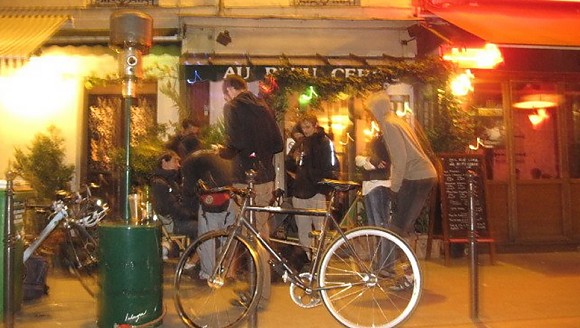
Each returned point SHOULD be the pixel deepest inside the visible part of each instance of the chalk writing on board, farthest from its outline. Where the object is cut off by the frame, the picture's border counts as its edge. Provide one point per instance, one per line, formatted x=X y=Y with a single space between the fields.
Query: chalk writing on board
x=454 y=184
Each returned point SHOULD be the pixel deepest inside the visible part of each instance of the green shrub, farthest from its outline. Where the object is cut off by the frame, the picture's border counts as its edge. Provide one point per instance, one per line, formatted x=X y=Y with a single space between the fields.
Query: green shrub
x=42 y=163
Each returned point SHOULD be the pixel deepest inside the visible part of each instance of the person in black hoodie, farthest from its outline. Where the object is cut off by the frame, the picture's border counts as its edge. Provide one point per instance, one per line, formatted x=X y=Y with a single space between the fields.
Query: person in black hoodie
x=252 y=139
x=314 y=159
x=167 y=197
x=215 y=210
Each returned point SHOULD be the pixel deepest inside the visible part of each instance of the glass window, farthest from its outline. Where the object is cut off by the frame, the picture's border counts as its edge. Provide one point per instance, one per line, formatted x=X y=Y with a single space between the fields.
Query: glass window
x=535 y=130
x=572 y=110
x=489 y=137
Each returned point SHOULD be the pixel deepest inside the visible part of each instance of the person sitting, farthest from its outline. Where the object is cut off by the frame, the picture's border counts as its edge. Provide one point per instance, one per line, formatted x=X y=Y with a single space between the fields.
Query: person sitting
x=167 y=197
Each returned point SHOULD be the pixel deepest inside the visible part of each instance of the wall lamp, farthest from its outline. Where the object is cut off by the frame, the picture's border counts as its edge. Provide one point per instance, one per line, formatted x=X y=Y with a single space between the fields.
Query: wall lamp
x=224 y=38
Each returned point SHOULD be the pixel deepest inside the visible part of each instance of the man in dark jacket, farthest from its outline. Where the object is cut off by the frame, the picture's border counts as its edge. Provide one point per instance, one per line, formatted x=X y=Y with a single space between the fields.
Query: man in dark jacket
x=313 y=160
x=215 y=210
x=252 y=139
x=168 y=198
x=187 y=140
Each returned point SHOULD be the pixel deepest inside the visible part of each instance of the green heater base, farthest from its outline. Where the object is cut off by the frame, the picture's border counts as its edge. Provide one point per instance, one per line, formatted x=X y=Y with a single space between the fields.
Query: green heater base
x=131 y=276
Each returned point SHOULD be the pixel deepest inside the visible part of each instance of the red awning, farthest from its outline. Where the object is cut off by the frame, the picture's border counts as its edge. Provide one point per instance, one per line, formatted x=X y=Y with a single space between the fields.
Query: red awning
x=533 y=24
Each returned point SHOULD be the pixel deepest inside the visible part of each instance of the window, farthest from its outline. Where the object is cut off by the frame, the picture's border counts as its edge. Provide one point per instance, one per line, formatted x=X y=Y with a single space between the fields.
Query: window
x=535 y=130
x=572 y=110
x=490 y=134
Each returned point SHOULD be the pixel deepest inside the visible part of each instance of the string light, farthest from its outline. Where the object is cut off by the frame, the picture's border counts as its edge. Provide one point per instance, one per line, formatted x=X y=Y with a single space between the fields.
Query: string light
x=196 y=78
x=479 y=143
x=307 y=96
x=269 y=85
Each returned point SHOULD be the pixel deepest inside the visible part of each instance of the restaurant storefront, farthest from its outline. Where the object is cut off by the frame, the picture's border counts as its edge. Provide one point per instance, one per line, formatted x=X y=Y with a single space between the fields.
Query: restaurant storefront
x=527 y=113
x=344 y=120
x=529 y=126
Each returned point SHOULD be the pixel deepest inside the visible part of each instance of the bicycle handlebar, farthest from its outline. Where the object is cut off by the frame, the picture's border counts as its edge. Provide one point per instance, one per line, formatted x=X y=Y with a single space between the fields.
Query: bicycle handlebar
x=204 y=189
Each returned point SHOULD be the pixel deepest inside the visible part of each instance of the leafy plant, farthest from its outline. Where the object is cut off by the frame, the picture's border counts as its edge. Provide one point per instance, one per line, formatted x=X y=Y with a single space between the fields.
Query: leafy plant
x=144 y=153
x=42 y=163
x=286 y=82
x=213 y=134
x=453 y=127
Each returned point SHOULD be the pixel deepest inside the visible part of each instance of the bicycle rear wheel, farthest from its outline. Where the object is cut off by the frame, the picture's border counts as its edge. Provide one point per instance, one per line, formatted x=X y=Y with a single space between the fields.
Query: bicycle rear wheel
x=228 y=299
x=81 y=254
x=370 y=278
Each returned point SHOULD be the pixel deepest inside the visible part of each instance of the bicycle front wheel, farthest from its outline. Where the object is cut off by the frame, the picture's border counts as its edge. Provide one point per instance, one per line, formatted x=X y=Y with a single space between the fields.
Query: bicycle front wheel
x=226 y=299
x=81 y=255
x=370 y=278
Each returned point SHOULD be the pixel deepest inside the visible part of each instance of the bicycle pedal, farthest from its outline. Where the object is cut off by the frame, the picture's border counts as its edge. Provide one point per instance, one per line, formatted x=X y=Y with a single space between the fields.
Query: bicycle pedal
x=315 y=234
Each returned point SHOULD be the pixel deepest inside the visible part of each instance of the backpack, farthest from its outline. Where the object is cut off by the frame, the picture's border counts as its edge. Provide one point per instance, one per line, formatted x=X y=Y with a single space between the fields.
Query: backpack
x=34 y=284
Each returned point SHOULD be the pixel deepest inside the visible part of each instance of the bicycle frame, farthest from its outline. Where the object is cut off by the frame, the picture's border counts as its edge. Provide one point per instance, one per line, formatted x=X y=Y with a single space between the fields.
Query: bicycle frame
x=60 y=213
x=243 y=222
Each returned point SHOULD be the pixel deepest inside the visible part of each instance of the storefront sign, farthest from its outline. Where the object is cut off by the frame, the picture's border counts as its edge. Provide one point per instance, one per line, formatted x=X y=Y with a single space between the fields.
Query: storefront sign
x=198 y=73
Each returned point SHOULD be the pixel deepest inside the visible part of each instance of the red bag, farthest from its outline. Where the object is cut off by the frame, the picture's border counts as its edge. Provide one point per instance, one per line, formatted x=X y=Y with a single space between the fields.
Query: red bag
x=215 y=203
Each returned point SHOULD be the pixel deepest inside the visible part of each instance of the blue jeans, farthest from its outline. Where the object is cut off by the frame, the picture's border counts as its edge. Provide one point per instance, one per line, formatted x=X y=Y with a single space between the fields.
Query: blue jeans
x=212 y=222
x=378 y=206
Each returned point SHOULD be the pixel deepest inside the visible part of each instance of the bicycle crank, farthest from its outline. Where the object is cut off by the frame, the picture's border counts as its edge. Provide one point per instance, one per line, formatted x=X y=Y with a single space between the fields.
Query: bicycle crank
x=303 y=298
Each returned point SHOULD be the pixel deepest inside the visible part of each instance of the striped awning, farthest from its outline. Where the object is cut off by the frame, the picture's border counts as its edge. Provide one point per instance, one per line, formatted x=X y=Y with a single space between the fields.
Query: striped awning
x=21 y=36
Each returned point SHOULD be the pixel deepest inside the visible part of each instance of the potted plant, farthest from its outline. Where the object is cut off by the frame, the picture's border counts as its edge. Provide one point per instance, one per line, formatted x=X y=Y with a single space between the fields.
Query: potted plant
x=42 y=164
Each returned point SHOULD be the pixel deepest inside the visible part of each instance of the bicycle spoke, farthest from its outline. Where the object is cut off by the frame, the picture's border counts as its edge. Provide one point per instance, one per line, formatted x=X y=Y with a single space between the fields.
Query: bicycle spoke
x=361 y=298
x=221 y=301
x=81 y=250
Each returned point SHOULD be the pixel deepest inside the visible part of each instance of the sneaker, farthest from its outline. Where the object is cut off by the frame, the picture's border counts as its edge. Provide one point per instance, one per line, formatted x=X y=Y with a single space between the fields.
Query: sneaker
x=190 y=270
x=403 y=283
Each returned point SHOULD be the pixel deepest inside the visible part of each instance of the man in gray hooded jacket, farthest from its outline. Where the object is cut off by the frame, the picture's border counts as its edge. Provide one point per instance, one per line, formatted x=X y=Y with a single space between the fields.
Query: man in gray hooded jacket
x=412 y=172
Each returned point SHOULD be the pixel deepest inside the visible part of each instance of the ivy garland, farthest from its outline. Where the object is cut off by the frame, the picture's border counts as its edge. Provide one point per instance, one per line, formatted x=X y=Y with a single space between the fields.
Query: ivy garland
x=287 y=82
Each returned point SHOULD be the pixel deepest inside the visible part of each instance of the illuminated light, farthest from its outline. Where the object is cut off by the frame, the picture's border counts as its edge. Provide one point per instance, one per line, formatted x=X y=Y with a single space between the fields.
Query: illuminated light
x=401 y=112
x=196 y=78
x=461 y=84
x=538 y=100
x=307 y=96
x=487 y=57
x=374 y=129
x=479 y=143
x=45 y=78
x=342 y=96
x=538 y=117
x=266 y=87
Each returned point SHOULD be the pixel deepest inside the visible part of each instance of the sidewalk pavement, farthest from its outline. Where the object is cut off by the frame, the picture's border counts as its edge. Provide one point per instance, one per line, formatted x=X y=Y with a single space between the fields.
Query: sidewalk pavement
x=520 y=290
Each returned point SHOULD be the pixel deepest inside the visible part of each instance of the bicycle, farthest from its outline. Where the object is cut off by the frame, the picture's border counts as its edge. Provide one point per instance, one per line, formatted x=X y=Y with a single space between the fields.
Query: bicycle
x=77 y=214
x=357 y=285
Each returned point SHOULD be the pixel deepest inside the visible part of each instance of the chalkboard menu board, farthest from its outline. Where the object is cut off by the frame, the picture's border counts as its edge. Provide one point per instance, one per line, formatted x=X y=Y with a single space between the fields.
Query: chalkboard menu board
x=455 y=199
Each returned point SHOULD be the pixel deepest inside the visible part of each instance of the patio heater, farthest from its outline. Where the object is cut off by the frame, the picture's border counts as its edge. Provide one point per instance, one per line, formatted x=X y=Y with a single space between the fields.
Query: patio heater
x=131 y=34
x=130 y=267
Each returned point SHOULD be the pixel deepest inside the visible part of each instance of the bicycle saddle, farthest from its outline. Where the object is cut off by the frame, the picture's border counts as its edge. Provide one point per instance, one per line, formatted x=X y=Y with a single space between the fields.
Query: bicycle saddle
x=340 y=185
